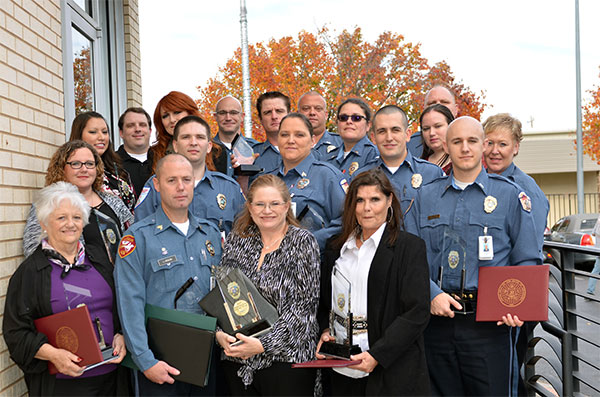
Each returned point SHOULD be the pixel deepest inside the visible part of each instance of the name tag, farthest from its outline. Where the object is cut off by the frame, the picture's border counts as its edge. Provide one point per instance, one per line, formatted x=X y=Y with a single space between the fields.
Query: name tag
x=167 y=261
x=430 y=217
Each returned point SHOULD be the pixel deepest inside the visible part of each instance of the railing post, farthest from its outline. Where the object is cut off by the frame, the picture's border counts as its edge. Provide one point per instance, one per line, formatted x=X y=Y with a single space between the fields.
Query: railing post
x=570 y=323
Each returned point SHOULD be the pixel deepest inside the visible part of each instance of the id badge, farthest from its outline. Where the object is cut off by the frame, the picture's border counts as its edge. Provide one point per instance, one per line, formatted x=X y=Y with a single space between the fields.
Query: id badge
x=486 y=248
x=294 y=208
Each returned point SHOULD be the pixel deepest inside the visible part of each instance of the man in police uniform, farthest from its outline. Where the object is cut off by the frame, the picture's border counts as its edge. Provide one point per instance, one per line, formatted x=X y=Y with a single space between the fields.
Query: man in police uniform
x=156 y=257
x=407 y=173
x=217 y=197
x=229 y=115
x=313 y=106
x=437 y=94
x=471 y=218
x=271 y=107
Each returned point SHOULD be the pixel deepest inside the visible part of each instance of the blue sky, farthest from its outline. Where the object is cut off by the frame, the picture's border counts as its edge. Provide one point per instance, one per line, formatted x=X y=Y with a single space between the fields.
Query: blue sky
x=521 y=53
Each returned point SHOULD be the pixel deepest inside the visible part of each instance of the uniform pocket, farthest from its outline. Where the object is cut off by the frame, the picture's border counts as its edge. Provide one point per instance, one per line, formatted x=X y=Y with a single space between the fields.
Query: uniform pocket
x=167 y=273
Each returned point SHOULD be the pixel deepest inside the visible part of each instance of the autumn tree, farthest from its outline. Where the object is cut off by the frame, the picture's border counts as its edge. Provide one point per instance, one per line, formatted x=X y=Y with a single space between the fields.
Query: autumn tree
x=591 y=125
x=389 y=70
x=82 y=77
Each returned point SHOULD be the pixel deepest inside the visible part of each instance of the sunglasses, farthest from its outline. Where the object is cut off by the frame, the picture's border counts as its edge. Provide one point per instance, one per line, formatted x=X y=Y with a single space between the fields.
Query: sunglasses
x=355 y=117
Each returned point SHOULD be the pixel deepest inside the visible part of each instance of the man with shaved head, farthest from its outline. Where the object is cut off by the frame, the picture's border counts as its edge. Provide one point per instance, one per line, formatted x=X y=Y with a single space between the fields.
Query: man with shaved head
x=437 y=94
x=471 y=219
x=156 y=257
x=313 y=106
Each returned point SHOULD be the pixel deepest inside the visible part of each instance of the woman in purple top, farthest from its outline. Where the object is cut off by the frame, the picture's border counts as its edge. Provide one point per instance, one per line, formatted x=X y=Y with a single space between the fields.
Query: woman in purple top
x=58 y=276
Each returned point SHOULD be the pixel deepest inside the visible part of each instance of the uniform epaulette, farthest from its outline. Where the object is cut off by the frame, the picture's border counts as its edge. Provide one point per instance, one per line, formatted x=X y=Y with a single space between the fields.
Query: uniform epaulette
x=326 y=165
x=220 y=175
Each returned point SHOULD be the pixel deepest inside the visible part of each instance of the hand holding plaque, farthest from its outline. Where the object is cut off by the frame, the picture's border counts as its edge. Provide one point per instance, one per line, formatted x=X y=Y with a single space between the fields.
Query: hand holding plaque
x=453 y=270
x=245 y=157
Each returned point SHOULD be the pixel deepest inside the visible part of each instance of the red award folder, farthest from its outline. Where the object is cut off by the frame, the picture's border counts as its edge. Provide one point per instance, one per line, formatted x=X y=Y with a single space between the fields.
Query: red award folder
x=329 y=363
x=71 y=330
x=518 y=290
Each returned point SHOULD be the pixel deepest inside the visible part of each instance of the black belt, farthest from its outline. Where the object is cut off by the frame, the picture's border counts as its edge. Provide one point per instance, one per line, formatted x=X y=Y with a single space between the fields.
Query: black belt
x=465 y=295
x=357 y=325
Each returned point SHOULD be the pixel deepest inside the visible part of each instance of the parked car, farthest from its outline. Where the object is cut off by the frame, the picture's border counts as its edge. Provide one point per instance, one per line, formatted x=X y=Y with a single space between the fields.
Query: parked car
x=574 y=229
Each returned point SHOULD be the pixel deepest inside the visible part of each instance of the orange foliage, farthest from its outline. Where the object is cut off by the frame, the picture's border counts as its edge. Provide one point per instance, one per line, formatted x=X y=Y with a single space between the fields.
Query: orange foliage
x=82 y=77
x=591 y=126
x=387 y=71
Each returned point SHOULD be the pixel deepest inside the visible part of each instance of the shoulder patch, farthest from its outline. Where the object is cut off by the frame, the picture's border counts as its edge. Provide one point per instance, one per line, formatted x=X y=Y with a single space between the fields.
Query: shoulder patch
x=143 y=195
x=525 y=201
x=127 y=246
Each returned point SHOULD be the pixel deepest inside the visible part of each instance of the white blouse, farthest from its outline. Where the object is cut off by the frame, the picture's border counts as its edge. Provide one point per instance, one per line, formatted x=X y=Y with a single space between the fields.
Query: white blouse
x=354 y=263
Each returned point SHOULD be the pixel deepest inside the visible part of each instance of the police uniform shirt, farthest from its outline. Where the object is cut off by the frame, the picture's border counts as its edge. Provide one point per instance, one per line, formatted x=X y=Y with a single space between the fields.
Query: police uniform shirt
x=491 y=202
x=415 y=144
x=269 y=157
x=217 y=198
x=412 y=174
x=362 y=152
x=327 y=144
x=321 y=186
x=229 y=149
x=354 y=263
x=539 y=201
x=155 y=259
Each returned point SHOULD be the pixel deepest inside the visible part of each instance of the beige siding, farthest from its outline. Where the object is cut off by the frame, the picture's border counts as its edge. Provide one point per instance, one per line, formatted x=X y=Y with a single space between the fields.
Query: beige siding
x=31 y=127
x=132 y=53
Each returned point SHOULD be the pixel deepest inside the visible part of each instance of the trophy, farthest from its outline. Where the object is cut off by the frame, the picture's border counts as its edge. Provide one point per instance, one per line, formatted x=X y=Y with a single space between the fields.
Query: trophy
x=245 y=157
x=310 y=219
x=453 y=270
x=110 y=233
x=238 y=306
x=340 y=319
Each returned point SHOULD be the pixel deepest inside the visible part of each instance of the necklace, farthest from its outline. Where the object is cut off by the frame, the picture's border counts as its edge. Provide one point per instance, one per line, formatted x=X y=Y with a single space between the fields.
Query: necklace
x=267 y=247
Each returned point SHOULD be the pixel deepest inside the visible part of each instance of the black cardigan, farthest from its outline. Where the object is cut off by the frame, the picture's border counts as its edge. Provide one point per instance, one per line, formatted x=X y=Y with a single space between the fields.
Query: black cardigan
x=28 y=298
x=397 y=313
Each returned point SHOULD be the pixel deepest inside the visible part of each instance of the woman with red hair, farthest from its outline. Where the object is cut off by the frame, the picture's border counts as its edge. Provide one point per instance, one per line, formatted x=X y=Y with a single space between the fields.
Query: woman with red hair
x=170 y=109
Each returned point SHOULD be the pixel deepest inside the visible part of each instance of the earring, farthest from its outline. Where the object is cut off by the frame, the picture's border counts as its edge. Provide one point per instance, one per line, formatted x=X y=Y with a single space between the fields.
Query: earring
x=390 y=213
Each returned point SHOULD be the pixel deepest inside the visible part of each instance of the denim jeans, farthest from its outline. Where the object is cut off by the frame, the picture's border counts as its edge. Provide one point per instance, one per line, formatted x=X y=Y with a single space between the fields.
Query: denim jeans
x=592 y=281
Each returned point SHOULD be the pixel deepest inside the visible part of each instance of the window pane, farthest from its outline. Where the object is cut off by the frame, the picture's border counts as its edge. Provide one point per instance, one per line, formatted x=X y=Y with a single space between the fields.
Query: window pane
x=86 y=5
x=82 y=72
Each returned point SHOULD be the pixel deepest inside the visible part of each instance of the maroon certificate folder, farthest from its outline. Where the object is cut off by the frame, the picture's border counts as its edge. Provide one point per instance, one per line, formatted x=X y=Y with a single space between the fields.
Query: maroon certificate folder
x=518 y=290
x=71 y=330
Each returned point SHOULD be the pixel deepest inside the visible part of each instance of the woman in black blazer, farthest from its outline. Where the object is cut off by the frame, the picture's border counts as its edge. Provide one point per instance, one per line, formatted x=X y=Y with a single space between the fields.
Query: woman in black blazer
x=389 y=266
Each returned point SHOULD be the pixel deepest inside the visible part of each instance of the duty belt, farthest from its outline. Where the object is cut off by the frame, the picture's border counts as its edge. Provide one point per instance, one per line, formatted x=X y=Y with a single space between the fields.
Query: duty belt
x=359 y=323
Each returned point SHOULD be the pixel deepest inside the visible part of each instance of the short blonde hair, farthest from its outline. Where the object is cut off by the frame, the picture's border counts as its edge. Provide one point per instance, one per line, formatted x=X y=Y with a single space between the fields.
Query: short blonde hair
x=506 y=121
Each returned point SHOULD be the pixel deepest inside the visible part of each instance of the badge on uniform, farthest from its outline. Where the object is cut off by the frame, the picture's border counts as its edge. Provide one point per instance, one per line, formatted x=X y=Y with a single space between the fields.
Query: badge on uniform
x=353 y=167
x=210 y=248
x=416 y=181
x=127 y=246
x=221 y=200
x=453 y=259
x=525 y=201
x=302 y=183
x=489 y=204
x=344 y=185
x=331 y=148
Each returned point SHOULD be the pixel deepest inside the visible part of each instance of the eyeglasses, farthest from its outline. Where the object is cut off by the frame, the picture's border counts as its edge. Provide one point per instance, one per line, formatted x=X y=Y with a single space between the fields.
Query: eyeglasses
x=77 y=164
x=275 y=205
x=355 y=117
x=223 y=113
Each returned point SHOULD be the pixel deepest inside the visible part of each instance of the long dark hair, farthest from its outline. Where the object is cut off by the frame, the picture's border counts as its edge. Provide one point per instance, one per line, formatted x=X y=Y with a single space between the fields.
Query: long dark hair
x=112 y=162
x=444 y=111
x=350 y=226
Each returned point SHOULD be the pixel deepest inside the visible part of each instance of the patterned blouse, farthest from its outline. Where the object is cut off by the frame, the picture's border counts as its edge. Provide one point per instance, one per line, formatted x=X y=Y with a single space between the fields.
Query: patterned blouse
x=120 y=187
x=289 y=279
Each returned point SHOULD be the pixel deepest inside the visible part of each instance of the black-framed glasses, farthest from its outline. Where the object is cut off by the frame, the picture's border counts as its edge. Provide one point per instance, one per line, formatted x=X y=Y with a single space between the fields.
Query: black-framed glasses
x=354 y=117
x=77 y=164
x=223 y=113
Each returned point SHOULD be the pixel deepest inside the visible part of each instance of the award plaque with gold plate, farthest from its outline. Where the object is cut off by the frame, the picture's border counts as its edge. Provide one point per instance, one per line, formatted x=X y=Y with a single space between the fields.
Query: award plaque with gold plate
x=238 y=306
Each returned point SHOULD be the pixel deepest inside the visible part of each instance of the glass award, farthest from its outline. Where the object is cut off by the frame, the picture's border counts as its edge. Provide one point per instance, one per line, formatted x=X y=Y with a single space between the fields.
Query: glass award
x=238 y=306
x=310 y=219
x=245 y=157
x=340 y=319
x=111 y=236
x=453 y=269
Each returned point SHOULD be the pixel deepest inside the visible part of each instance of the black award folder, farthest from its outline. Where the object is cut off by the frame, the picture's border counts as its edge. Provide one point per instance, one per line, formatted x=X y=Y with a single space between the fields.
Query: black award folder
x=182 y=340
x=238 y=306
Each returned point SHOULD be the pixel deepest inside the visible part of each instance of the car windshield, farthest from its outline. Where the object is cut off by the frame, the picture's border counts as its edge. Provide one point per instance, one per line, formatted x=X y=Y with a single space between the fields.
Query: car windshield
x=587 y=225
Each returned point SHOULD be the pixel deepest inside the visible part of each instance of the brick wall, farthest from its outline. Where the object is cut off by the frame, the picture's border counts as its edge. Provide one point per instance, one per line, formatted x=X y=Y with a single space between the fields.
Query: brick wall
x=31 y=127
x=132 y=53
